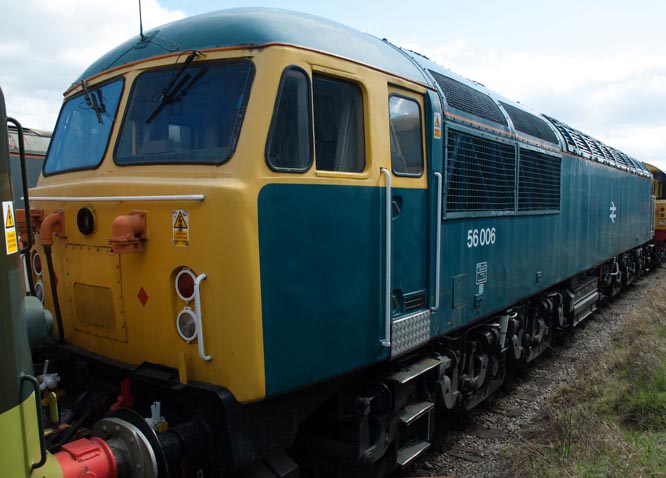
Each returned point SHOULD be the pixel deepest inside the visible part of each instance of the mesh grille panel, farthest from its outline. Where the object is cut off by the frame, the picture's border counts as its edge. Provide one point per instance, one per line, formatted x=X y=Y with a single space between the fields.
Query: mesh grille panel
x=530 y=124
x=538 y=181
x=481 y=174
x=468 y=99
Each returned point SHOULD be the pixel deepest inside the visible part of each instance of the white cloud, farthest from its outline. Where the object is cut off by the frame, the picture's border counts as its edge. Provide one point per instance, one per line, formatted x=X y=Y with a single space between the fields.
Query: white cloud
x=619 y=98
x=45 y=45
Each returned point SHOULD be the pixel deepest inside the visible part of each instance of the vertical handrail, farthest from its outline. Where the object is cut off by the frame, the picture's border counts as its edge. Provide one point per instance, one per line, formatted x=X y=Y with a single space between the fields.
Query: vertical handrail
x=197 y=315
x=25 y=251
x=438 y=243
x=386 y=341
x=24 y=377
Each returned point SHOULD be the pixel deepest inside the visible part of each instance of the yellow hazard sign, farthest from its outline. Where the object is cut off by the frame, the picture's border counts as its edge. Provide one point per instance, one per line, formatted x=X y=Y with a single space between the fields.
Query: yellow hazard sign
x=11 y=239
x=180 y=220
x=437 y=126
x=9 y=222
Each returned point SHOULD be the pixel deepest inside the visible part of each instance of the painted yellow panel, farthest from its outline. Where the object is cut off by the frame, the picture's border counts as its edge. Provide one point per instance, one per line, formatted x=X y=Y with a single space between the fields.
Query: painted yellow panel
x=19 y=444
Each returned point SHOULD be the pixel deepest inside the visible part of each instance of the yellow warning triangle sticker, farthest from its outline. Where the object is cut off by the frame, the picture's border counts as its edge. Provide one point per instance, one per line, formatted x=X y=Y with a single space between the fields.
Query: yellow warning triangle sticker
x=437 y=125
x=180 y=222
x=9 y=223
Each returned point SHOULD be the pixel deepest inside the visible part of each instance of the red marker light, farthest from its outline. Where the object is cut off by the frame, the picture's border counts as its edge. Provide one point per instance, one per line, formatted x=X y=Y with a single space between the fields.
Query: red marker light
x=185 y=284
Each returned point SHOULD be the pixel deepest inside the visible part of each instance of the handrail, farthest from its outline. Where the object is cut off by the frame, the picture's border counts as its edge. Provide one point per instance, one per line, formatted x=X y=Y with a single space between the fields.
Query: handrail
x=24 y=377
x=197 y=315
x=181 y=197
x=386 y=341
x=25 y=250
x=438 y=243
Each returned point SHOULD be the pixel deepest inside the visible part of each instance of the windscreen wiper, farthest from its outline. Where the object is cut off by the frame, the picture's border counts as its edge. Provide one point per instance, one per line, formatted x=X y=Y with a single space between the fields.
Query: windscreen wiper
x=95 y=103
x=172 y=88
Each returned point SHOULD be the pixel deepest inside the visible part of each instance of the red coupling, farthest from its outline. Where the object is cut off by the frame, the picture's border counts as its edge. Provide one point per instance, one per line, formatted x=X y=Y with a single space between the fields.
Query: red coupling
x=125 y=399
x=87 y=458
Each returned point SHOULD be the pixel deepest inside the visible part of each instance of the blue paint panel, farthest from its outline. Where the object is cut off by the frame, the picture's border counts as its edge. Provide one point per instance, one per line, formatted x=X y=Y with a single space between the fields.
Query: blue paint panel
x=554 y=246
x=321 y=276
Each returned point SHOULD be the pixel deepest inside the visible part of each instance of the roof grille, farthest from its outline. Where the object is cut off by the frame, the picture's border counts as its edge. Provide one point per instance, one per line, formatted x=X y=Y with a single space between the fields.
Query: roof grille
x=530 y=124
x=584 y=145
x=467 y=99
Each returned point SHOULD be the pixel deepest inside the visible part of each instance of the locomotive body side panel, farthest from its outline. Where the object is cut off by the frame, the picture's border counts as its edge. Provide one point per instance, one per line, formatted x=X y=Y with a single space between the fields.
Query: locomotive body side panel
x=603 y=213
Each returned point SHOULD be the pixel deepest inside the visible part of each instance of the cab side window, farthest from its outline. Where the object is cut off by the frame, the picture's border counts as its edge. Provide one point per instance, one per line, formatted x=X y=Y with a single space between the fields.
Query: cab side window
x=338 y=123
x=289 y=145
x=406 y=136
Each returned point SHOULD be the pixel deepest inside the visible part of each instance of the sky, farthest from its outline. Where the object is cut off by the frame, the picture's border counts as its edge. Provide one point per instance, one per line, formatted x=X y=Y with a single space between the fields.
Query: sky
x=599 y=66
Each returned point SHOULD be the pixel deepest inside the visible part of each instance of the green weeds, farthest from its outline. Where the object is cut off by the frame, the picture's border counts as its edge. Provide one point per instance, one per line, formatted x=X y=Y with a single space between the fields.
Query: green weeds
x=612 y=421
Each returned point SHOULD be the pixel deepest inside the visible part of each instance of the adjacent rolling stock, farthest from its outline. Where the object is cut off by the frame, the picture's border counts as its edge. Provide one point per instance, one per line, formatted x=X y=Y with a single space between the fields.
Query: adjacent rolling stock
x=311 y=237
x=659 y=192
x=36 y=145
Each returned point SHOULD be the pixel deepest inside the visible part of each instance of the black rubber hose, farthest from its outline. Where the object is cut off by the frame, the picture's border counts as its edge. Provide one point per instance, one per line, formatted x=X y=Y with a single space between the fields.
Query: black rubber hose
x=54 y=294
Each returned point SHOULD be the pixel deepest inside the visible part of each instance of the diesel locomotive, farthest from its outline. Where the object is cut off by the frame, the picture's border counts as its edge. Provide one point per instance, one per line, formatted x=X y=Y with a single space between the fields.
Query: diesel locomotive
x=303 y=242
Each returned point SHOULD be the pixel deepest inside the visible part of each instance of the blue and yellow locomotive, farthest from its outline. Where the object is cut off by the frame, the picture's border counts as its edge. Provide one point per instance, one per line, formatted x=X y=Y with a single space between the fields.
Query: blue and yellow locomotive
x=313 y=239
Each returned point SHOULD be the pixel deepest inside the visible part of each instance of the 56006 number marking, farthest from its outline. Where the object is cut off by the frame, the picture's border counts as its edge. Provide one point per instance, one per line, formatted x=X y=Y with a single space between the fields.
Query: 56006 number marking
x=480 y=237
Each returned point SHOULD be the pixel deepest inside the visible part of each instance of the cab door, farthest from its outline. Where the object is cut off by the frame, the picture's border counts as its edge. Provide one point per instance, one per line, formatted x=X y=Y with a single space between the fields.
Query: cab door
x=409 y=311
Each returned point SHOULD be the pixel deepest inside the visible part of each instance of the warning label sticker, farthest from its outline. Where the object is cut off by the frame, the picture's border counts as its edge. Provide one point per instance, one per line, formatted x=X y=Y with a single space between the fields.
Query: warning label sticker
x=437 y=129
x=180 y=220
x=10 y=227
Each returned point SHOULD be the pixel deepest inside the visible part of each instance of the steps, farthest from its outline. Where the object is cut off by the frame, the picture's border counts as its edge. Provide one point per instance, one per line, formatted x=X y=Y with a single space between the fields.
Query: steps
x=415 y=418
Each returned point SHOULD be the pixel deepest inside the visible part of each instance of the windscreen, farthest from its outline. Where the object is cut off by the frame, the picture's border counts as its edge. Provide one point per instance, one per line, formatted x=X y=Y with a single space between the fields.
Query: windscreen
x=83 y=129
x=185 y=114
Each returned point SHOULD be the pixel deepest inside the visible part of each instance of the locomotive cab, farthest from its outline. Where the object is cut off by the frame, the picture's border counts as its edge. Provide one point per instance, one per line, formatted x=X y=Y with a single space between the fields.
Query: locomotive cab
x=184 y=169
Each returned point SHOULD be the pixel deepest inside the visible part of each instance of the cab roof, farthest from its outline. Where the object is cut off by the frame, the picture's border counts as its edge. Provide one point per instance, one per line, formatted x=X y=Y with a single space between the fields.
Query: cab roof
x=256 y=27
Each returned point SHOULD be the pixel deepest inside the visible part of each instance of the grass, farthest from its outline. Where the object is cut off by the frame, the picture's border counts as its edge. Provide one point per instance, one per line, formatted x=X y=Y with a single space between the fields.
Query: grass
x=612 y=421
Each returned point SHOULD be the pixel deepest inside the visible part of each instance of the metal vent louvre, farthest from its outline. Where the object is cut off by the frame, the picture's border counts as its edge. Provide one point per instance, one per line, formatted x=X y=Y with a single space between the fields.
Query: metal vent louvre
x=481 y=174
x=467 y=99
x=538 y=181
x=585 y=145
x=530 y=124
x=415 y=301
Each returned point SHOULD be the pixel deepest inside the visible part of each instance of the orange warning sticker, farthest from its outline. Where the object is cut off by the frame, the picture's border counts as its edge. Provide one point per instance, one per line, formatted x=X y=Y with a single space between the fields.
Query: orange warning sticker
x=11 y=240
x=437 y=129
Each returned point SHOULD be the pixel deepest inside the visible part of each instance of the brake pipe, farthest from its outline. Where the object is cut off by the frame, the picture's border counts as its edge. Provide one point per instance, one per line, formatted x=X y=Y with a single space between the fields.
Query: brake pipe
x=54 y=223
